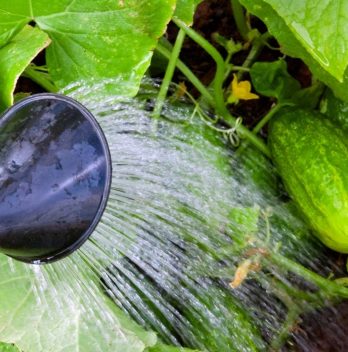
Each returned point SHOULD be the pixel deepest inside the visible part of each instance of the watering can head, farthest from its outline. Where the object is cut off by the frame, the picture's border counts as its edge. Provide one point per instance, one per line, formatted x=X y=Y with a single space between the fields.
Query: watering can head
x=55 y=175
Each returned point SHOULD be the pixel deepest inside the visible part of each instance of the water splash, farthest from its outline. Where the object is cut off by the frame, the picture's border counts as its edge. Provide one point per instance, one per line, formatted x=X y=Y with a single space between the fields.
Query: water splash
x=184 y=215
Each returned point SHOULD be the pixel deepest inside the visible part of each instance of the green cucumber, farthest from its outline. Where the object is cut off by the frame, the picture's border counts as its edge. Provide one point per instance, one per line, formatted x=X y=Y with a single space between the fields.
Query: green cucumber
x=311 y=155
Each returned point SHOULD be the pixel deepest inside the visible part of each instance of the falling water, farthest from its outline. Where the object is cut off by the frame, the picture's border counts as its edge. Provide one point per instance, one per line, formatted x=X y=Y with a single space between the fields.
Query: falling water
x=184 y=215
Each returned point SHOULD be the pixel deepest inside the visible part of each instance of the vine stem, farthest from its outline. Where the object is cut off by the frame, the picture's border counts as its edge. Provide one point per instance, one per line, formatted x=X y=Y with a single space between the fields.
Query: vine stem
x=189 y=74
x=254 y=52
x=266 y=118
x=169 y=73
x=239 y=18
x=330 y=287
x=220 y=106
x=288 y=325
x=39 y=78
x=261 y=124
x=240 y=68
x=220 y=64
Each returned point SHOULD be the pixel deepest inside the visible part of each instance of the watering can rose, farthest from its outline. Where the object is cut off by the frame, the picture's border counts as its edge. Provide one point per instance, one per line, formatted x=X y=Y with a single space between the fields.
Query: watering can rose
x=311 y=154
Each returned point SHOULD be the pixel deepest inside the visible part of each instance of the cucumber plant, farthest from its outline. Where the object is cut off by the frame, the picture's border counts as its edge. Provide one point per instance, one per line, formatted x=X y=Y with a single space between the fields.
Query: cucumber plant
x=87 y=41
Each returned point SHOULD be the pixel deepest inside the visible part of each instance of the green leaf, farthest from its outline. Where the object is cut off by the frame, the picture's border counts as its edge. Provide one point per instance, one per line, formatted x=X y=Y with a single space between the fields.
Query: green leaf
x=293 y=45
x=322 y=30
x=13 y=19
x=243 y=225
x=309 y=98
x=45 y=310
x=93 y=40
x=15 y=57
x=335 y=109
x=8 y=347
x=273 y=80
x=245 y=219
x=185 y=10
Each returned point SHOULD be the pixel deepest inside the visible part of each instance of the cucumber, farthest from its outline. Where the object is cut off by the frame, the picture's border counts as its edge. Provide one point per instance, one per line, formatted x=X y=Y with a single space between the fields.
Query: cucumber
x=311 y=155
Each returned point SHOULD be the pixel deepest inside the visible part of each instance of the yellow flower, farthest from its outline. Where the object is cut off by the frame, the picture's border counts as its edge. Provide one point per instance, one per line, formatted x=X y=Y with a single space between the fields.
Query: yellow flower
x=241 y=273
x=240 y=91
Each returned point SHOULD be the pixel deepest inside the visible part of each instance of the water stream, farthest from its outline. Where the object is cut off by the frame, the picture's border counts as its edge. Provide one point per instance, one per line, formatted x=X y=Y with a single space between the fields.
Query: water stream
x=184 y=215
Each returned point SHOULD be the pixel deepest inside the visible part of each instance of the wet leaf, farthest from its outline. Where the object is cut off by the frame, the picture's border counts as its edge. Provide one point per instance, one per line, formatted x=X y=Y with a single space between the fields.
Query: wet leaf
x=313 y=28
x=93 y=40
x=304 y=32
x=185 y=10
x=47 y=311
x=15 y=56
x=245 y=220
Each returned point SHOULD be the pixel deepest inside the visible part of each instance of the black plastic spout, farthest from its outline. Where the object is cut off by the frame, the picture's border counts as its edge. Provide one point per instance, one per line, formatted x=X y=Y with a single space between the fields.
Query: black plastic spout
x=55 y=176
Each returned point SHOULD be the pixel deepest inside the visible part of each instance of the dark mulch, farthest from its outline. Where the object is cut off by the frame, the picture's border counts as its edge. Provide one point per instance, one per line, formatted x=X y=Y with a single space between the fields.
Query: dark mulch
x=325 y=330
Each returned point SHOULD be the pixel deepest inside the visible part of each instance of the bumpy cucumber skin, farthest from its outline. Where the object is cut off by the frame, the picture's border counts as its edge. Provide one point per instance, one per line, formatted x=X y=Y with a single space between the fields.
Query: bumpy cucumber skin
x=311 y=155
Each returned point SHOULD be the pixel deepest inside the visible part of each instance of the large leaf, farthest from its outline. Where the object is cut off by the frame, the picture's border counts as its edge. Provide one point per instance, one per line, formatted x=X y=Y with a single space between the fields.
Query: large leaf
x=93 y=40
x=293 y=45
x=185 y=10
x=322 y=29
x=44 y=309
x=15 y=57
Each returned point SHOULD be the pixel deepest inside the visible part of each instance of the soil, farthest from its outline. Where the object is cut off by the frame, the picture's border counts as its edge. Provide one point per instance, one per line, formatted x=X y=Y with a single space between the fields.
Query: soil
x=325 y=330
x=26 y=85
